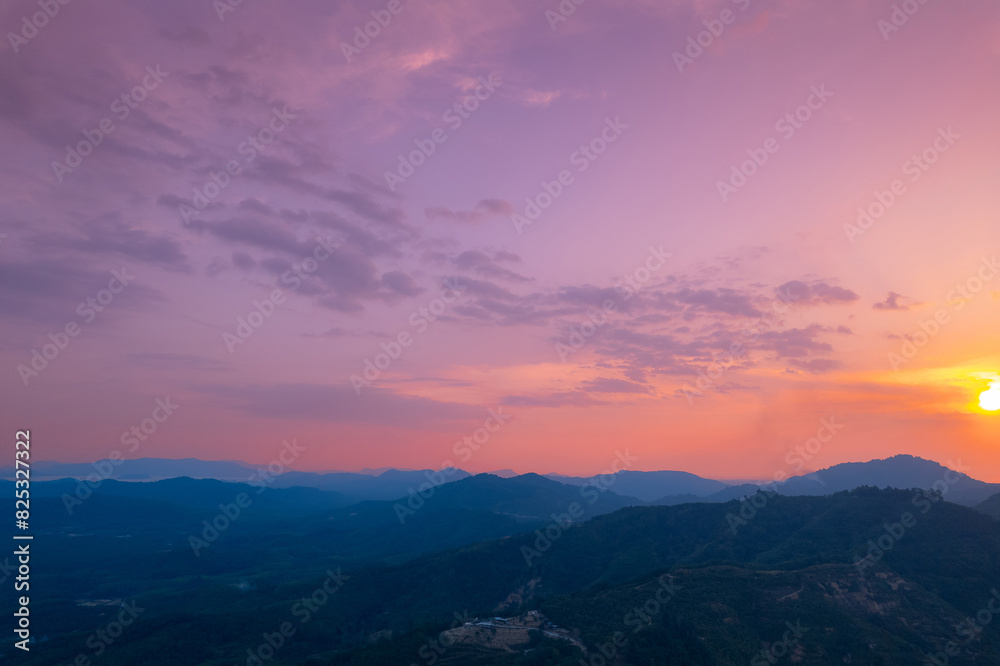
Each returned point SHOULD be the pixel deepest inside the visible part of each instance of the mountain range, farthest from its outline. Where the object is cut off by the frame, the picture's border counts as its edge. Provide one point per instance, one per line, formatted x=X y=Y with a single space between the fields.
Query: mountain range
x=654 y=487
x=519 y=571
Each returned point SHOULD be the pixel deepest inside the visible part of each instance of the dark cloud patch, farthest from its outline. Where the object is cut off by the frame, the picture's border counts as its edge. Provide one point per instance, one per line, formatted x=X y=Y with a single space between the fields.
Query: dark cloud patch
x=401 y=283
x=503 y=255
x=482 y=289
x=482 y=211
x=174 y=202
x=254 y=232
x=361 y=238
x=256 y=206
x=513 y=314
x=557 y=399
x=795 y=342
x=244 y=261
x=50 y=292
x=224 y=84
x=478 y=262
x=893 y=301
x=797 y=292
x=588 y=296
x=636 y=375
x=343 y=281
x=722 y=300
x=277 y=171
x=110 y=236
x=495 y=207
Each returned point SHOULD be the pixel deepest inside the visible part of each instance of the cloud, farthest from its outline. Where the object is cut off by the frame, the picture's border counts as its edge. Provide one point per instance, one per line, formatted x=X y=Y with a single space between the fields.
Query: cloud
x=482 y=211
x=797 y=292
x=556 y=399
x=344 y=281
x=795 y=342
x=50 y=291
x=540 y=98
x=401 y=283
x=109 y=235
x=244 y=261
x=479 y=262
x=894 y=301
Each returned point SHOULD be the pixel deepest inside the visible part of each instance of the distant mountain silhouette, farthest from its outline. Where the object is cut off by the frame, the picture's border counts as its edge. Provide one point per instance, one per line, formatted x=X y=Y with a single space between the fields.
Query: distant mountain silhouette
x=504 y=473
x=201 y=494
x=900 y=471
x=145 y=469
x=529 y=496
x=657 y=487
x=436 y=518
x=648 y=486
x=991 y=507
x=390 y=484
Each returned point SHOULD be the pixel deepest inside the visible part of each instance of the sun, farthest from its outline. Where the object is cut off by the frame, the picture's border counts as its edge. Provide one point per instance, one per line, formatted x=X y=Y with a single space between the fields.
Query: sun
x=990 y=398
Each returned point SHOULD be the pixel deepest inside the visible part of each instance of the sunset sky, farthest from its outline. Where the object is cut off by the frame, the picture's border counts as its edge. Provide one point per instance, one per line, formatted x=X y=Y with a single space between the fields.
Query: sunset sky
x=755 y=306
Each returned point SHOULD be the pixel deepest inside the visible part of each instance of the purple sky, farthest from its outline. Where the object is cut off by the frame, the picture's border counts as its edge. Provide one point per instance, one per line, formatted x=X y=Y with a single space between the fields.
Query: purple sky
x=237 y=148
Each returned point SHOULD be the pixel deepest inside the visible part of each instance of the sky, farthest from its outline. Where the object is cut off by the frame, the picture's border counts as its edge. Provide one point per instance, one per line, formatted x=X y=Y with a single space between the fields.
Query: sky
x=737 y=238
